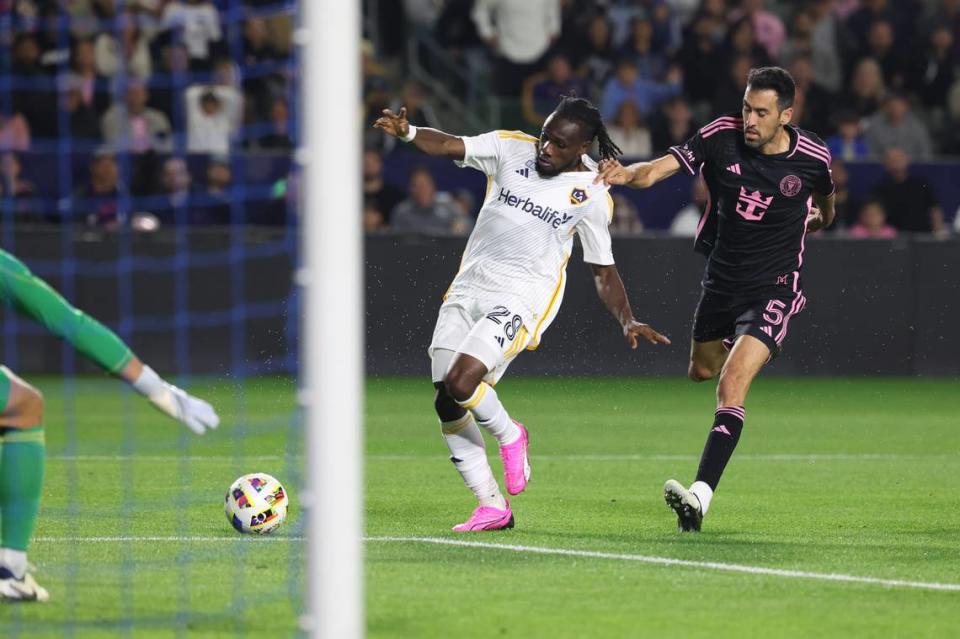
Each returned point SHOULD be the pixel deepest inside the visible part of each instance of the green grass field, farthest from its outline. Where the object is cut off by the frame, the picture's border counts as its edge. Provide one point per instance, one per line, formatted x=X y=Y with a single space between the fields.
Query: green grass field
x=853 y=477
x=160 y=558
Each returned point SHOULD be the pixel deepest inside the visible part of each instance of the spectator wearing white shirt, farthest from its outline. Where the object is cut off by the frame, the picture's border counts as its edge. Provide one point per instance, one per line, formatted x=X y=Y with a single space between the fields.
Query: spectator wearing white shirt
x=214 y=112
x=211 y=119
x=197 y=24
x=519 y=33
x=131 y=53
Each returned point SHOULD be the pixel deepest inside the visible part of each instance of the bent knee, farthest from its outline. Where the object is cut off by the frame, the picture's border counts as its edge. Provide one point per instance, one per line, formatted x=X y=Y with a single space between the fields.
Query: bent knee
x=33 y=405
x=24 y=406
x=698 y=372
x=447 y=408
x=460 y=386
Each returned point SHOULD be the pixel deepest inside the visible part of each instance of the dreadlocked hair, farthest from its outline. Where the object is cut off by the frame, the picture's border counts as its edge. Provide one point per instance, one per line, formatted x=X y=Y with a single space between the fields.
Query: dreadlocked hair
x=580 y=110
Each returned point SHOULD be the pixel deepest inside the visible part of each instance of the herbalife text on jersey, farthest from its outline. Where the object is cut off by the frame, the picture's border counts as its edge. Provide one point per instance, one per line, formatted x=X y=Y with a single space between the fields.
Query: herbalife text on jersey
x=525 y=204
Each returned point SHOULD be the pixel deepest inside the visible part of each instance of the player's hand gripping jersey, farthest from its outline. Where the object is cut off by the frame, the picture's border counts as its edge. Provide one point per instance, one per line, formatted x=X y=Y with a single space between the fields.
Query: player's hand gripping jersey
x=754 y=224
x=518 y=250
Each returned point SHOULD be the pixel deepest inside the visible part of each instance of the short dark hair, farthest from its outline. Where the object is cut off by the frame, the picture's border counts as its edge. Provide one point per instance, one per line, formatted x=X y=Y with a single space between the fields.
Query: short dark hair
x=582 y=111
x=424 y=169
x=776 y=79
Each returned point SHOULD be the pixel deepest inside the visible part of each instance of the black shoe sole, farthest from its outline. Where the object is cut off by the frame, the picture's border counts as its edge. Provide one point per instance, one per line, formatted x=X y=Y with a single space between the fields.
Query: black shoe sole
x=688 y=520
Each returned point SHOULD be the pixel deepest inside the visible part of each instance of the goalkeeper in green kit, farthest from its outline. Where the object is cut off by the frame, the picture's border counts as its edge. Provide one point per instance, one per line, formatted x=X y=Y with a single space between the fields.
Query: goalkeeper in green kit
x=21 y=414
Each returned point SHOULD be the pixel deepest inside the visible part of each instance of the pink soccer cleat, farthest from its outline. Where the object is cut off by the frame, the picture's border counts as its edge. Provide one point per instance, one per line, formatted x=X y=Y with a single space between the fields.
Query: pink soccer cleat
x=487 y=518
x=516 y=466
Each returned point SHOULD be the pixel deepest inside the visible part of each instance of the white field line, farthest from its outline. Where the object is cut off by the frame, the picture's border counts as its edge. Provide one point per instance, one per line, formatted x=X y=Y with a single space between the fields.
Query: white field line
x=784 y=457
x=173 y=539
x=540 y=550
x=169 y=458
x=669 y=561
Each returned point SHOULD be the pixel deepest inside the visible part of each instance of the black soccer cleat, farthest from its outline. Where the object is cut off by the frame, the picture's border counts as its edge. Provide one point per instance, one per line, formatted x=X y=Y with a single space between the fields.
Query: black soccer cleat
x=685 y=504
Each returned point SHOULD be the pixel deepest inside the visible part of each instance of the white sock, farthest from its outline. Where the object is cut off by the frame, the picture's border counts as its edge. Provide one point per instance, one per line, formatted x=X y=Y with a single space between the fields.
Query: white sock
x=704 y=493
x=469 y=456
x=14 y=560
x=491 y=415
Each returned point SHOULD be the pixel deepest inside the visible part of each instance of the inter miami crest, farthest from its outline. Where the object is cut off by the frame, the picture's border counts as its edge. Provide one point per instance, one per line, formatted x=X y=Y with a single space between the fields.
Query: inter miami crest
x=578 y=196
x=790 y=185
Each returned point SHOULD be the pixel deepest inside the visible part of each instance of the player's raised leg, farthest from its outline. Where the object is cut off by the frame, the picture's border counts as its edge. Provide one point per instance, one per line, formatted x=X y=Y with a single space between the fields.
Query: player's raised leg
x=748 y=356
x=707 y=359
x=464 y=382
x=468 y=453
x=21 y=484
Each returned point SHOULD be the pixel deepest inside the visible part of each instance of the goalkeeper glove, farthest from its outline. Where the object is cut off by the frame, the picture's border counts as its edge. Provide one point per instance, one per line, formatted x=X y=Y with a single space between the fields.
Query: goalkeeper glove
x=194 y=413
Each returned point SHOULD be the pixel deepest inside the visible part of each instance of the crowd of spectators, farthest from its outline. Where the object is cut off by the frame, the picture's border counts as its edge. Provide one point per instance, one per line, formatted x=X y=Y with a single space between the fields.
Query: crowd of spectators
x=878 y=80
x=158 y=102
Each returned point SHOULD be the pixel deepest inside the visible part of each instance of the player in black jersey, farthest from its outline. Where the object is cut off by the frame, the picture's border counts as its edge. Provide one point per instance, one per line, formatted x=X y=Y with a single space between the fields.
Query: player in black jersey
x=769 y=184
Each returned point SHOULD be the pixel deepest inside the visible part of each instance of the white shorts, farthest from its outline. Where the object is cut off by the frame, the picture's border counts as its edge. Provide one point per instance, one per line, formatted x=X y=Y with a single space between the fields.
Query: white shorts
x=493 y=334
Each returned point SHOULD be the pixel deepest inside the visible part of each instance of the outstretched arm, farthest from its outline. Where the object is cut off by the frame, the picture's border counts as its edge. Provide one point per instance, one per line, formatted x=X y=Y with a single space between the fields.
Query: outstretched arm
x=31 y=296
x=614 y=296
x=639 y=175
x=430 y=141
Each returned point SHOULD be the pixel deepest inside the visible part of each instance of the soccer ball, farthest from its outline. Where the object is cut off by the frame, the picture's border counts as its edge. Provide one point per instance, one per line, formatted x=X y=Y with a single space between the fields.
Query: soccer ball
x=256 y=503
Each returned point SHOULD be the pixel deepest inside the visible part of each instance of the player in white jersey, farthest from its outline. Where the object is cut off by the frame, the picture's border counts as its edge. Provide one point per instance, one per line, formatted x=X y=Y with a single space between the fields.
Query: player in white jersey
x=511 y=280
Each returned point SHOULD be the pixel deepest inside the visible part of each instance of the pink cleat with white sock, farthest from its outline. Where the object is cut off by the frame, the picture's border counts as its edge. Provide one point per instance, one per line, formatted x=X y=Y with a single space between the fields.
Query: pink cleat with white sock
x=516 y=466
x=487 y=518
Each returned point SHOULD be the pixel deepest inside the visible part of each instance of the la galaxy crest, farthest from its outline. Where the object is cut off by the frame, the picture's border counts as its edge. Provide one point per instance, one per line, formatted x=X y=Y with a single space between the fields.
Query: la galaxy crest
x=578 y=196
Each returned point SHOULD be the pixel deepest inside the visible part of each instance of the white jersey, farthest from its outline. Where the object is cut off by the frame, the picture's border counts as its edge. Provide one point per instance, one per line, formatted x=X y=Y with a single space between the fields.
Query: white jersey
x=518 y=250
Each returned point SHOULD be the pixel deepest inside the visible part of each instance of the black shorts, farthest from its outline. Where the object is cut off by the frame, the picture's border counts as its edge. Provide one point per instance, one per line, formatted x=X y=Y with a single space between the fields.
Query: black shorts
x=766 y=317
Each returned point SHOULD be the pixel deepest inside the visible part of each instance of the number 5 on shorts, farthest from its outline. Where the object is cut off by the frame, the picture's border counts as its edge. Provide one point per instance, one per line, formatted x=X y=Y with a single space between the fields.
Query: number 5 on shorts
x=774 y=312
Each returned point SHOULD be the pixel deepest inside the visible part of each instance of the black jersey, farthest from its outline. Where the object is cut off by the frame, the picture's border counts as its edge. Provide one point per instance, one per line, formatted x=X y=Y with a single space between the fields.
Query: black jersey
x=754 y=223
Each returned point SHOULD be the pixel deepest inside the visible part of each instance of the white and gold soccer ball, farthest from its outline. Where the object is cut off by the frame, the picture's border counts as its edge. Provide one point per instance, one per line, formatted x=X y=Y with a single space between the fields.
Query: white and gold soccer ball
x=256 y=503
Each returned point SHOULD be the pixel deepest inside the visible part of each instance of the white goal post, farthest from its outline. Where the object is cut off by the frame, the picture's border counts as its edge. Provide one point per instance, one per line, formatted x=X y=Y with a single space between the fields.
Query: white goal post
x=331 y=354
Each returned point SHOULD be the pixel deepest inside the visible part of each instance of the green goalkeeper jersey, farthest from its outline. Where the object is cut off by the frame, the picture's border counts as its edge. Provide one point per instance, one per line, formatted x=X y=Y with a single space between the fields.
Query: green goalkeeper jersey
x=29 y=295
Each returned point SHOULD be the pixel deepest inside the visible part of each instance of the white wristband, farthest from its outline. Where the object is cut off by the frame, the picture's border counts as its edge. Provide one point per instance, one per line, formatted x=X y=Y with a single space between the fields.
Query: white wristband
x=158 y=391
x=411 y=133
x=149 y=383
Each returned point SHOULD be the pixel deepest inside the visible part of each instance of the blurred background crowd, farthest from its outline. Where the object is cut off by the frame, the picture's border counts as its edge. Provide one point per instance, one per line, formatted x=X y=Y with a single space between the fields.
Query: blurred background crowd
x=149 y=113
x=876 y=79
x=146 y=113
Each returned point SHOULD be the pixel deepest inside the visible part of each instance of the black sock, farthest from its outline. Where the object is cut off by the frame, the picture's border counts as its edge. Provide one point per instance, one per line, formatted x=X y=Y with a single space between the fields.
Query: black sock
x=723 y=438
